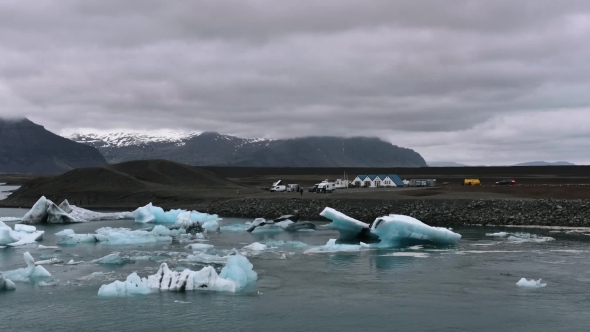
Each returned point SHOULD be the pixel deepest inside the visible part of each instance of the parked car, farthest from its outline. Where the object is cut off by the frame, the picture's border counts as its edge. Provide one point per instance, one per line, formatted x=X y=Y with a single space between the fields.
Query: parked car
x=278 y=188
x=509 y=182
x=314 y=188
x=293 y=188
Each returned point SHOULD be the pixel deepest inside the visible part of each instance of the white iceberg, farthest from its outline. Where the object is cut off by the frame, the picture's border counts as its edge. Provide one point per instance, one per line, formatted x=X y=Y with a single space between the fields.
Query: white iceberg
x=290 y=244
x=20 y=236
x=526 y=237
x=393 y=230
x=50 y=261
x=6 y=284
x=133 y=285
x=234 y=276
x=45 y=211
x=523 y=282
x=332 y=246
x=29 y=272
x=499 y=234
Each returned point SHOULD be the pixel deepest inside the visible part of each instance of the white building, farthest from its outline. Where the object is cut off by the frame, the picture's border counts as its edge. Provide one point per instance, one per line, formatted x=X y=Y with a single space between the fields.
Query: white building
x=378 y=180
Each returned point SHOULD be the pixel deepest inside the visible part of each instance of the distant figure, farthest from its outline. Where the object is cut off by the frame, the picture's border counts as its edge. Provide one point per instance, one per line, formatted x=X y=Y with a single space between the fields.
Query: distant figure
x=301 y=191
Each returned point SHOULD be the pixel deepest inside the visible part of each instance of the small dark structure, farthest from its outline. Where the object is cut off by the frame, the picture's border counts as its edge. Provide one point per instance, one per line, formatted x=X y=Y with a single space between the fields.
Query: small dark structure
x=422 y=183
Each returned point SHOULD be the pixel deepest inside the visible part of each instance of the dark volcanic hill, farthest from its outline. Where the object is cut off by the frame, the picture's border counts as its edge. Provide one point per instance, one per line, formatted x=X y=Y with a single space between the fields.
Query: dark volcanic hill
x=213 y=149
x=130 y=184
x=26 y=147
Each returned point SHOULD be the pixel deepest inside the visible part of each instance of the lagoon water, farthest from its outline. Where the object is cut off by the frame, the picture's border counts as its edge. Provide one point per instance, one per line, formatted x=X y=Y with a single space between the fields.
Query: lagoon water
x=468 y=287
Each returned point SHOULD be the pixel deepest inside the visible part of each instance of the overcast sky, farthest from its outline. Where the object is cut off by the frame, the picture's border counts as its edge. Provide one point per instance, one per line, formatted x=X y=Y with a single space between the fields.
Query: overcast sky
x=478 y=82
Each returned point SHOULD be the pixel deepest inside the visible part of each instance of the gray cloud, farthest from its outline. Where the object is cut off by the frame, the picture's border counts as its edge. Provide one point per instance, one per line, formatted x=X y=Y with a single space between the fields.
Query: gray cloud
x=475 y=82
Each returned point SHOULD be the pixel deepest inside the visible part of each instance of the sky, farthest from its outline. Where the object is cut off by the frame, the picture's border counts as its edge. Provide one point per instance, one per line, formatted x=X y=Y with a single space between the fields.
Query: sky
x=478 y=82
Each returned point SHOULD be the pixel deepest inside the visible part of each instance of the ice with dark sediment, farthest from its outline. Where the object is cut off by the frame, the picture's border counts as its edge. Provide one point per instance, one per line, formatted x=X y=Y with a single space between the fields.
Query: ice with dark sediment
x=45 y=211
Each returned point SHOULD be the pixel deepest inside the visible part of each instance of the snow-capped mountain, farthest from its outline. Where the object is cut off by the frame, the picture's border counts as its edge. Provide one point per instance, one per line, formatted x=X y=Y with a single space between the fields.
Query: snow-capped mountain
x=214 y=149
x=121 y=139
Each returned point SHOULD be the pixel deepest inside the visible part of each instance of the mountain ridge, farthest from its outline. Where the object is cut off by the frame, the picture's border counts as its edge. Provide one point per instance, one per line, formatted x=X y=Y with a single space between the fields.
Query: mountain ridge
x=214 y=149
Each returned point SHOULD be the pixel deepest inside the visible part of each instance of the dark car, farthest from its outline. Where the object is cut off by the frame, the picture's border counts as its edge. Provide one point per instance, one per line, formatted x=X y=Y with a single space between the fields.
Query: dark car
x=313 y=189
x=508 y=182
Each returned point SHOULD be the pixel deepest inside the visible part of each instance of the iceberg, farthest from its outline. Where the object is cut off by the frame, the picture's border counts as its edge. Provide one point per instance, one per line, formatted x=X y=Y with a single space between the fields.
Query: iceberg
x=234 y=228
x=499 y=234
x=203 y=258
x=399 y=230
x=45 y=211
x=393 y=230
x=133 y=285
x=290 y=244
x=20 y=236
x=523 y=282
x=256 y=246
x=280 y=224
x=6 y=284
x=526 y=237
x=50 y=261
x=233 y=277
x=113 y=259
x=123 y=236
x=30 y=272
x=200 y=246
x=332 y=246
x=65 y=232
x=183 y=218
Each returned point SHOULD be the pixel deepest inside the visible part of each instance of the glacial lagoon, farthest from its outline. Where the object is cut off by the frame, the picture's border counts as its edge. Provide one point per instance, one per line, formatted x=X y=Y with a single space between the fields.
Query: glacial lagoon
x=470 y=286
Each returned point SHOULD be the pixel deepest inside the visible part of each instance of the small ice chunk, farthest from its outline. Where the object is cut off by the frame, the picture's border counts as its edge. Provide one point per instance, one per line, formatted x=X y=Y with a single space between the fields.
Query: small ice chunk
x=50 y=261
x=47 y=247
x=408 y=254
x=200 y=257
x=200 y=246
x=499 y=234
x=234 y=228
x=332 y=246
x=290 y=244
x=256 y=246
x=6 y=236
x=523 y=282
x=211 y=225
x=239 y=269
x=24 y=228
x=6 y=284
x=113 y=259
x=65 y=232
x=71 y=262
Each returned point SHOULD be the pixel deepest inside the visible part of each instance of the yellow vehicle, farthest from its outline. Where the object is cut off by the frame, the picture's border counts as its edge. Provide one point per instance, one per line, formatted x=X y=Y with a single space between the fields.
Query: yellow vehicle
x=472 y=182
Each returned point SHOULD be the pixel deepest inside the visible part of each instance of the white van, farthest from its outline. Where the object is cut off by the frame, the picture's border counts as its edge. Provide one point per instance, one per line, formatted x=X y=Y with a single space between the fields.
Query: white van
x=325 y=187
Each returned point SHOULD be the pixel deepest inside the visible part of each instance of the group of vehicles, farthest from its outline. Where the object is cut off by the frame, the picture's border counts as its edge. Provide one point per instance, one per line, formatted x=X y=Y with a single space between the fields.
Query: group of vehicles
x=476 y=182
x=322 y=187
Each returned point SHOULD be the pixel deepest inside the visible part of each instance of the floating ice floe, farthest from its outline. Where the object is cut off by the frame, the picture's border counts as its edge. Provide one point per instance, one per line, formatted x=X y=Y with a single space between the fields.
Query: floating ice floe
x=233 y=277
x=289 y=223
x=72 y=262
x=332 y=246
x=9 y=219
x=6 y=284
x=65 y=232
x=499 y=234
x=30 y=272
x=289 y=244
x=123 y=236
x=45 y=211
x=113 y=259
x=523 y=282
x=393 y=230
x=183 y=218
x=50 y=261
x=526 y=237
x=203 y=258
x=408 y=254
x=200 y=246
x=256 y=246
x=21 y=235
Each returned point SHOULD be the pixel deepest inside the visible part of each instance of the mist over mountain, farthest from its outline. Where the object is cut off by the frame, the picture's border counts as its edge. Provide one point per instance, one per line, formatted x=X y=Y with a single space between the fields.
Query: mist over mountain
x=214 y=149
x=26 y=147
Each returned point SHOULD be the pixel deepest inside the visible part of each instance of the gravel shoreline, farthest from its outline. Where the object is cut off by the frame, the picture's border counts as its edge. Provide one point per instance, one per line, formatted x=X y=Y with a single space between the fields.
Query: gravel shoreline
x=541 y=212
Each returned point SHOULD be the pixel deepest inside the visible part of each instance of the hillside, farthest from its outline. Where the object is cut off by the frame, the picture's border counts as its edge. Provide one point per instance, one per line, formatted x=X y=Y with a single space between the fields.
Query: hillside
x=128 y=185
x=26 y=147
x=214 y=149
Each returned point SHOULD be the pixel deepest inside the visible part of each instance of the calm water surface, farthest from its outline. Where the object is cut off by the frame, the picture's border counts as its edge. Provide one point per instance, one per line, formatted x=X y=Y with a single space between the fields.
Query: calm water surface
x=468 y=287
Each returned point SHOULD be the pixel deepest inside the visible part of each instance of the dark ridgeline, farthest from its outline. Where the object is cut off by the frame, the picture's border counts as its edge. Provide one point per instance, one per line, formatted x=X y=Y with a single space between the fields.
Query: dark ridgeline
x=26 y=147
x=213 y=149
